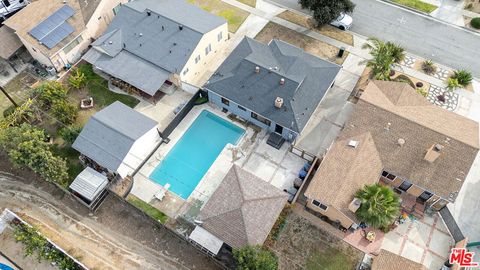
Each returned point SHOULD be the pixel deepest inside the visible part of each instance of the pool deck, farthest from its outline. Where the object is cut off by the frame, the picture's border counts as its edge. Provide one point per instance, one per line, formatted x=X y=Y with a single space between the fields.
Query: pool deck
x=278 y=167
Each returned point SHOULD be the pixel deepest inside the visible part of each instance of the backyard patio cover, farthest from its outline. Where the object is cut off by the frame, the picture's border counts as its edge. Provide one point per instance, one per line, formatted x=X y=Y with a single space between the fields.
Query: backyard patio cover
x=89 y=183
x=206 y=239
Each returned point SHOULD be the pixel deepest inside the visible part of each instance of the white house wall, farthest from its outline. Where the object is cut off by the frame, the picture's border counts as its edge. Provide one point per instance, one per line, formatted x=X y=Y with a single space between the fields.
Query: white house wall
x=196 y=69
x=139 y=151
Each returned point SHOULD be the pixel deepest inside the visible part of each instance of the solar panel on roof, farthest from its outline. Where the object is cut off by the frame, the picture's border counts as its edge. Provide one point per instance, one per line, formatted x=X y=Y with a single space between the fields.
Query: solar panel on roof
x=54 y=29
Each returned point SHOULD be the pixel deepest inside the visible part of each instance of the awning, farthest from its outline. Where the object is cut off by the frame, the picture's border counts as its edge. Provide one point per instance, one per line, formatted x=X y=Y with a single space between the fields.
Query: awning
x=9 y=42
x=206 y=239
x=89 y=183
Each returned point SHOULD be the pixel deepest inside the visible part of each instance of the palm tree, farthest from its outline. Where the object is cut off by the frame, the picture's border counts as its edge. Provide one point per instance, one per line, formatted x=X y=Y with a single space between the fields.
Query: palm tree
x=380 y=206
x=384 y=55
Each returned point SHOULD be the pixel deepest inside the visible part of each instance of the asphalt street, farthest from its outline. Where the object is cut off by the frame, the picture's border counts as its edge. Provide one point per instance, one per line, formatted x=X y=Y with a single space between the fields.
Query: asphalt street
x=419 y=34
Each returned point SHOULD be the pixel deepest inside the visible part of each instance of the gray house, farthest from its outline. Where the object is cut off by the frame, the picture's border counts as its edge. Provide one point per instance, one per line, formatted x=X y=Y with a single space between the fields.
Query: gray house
x=276 y=86
x=153 y=43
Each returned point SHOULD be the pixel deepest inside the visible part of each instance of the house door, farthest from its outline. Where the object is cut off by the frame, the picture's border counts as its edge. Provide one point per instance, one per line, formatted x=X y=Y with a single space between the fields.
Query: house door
x=278 y=129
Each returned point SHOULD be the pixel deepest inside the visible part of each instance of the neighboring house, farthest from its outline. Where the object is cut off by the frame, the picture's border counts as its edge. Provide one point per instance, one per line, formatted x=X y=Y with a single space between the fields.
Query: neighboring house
x=241 y=212
x=9 y=43
x=57 y=32
x=151 y=43
x=117 y=139
x=394 y=135
x=276 y=86
x=391 y=261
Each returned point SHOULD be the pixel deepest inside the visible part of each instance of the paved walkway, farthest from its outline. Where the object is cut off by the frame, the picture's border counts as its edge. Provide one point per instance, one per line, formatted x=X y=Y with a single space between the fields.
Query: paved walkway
x=450 y=11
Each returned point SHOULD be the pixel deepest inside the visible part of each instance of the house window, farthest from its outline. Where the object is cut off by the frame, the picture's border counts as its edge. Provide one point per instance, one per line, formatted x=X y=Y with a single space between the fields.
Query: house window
x=319 y=205
x=116 y=9
x=388 y=175
x=405 y=186
x=242 y=108
x=220 y=36
x=73 y=44
x=208 y=49
x=261 y=119
x=197 y=59
x=185 y=71
x=225 y=101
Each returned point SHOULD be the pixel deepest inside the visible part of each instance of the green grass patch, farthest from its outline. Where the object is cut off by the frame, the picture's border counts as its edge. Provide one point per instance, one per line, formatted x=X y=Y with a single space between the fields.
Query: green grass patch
x=234 y=16
x=417 y=4
x=329 y=259
x=148 y=209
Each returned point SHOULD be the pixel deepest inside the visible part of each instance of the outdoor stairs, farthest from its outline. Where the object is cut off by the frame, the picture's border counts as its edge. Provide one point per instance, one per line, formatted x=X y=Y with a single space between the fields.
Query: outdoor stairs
x=275 y=140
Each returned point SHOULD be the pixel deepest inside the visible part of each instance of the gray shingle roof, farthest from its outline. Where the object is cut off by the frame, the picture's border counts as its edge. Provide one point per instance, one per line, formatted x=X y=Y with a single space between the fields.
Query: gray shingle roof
x=307 y=79
x=110 y=133
x=243 y=209
x=155 y=40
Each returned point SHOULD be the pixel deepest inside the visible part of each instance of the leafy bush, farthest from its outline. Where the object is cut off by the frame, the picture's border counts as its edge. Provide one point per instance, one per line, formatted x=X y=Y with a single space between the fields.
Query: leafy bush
x=429 y=67
x=452 y=84
x=69 y=134
x=27 y=146
x=463 y=77
x=8 y=111
x=255 y=258
x=379 y=207
x=422 y=91
x=325 y=11
x=77 y=78
x=475 y=23
x=49 y=92
x=64 y=111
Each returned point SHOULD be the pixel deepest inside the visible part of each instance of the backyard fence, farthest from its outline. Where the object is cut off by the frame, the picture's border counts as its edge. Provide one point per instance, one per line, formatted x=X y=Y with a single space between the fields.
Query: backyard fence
x=182 y=113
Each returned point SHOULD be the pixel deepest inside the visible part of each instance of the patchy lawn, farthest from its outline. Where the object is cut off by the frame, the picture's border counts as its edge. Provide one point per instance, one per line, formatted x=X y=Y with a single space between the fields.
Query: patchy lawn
x=417 y=4
x=233 y=15
x=472 y=5
x=251 y=3
x=310 y=45
x=148 y=209
x=19 y=90
x=301 y=245
x=327 y=30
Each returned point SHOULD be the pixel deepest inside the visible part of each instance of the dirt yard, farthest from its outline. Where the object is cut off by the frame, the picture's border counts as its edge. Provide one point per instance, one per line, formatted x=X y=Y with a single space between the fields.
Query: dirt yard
x=19 y=89
x=327 y=30
x=301 y=245
x=310 y=45
x=117 y=236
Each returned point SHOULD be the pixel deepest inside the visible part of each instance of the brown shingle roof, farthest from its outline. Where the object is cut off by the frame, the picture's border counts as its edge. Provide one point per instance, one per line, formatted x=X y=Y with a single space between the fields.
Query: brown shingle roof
x=420 y=125
x=344 y=171
x=37 y=11
x=243 y=209
x=9 y=42
x=391 y=261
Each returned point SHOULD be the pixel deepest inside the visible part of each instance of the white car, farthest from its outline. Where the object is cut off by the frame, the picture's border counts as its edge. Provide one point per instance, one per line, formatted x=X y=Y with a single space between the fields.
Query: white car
x=343 y=22
x=9 y=7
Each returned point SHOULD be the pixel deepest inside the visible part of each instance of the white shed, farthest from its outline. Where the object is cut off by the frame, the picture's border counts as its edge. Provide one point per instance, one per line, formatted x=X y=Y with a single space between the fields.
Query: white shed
x=89 y=184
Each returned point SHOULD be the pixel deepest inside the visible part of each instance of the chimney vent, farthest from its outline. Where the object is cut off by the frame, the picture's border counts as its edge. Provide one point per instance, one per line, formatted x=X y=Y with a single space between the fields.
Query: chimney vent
x=353 y=143
x=110 y=42
x=282 y=81
x=141 y=35
x=433 y=152
x=149 y=13
x=257 y=69
x=401 y=142
x=180 y=27
x=279 y=102
x=270 y=69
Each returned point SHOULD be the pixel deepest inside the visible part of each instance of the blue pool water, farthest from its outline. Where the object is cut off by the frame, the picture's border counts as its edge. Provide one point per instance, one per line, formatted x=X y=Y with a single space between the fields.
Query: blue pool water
x=5 y=267
x=191 y=157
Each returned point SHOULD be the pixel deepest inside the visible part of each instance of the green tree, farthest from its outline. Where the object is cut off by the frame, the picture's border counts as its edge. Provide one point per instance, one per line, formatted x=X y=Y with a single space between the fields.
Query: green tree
x=463 y=77
x=64 y=111
x=32 y=241
x=23 y=113
x=70 y=133
x=255 y=258
x=49 y=92
x=384 y=55
x=77 y=79
x=27 y=146
x=380 y=206
x=325 y=11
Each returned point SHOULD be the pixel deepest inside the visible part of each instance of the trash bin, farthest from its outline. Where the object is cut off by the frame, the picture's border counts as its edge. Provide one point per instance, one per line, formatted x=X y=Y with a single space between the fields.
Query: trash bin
x=51 y=71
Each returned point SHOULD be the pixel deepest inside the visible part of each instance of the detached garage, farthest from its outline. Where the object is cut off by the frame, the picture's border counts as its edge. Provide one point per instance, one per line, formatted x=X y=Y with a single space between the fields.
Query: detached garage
x=117 y=139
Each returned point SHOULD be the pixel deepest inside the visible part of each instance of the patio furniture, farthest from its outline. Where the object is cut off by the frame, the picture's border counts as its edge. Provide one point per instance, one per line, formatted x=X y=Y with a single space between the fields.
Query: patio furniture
x=161 y=194
x=370 y=236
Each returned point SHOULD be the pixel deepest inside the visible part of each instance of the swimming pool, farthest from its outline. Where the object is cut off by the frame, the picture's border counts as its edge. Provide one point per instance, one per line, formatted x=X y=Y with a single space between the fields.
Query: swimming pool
x=191 y=157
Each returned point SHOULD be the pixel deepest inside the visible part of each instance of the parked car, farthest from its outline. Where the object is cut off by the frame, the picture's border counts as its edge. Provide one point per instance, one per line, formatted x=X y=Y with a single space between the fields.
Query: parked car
x=10 y=7
x=343 y=22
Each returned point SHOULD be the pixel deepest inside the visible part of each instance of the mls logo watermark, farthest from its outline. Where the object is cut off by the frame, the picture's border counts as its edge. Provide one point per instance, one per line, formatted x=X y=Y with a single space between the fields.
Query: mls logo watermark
x=462 y=257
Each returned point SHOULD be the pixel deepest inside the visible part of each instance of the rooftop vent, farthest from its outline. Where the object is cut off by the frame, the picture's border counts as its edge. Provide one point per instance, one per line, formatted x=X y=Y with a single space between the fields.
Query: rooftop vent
x=433 y=152
x=149 y=13
x=354 y=205
x=180 y=27
x=257 y=69
x=110 y=42
x=140 y=34
x=270 y=69
x=282 y=81
x=279 y=102
x=387 y=127
x=353 y=143
x=401 y=141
